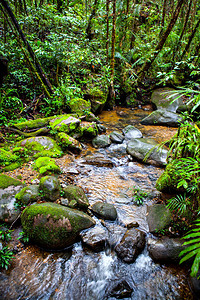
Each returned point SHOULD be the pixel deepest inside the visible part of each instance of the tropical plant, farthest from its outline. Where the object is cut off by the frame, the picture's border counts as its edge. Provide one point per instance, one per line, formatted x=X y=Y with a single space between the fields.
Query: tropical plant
x=5 y=235
x=6 y=255
x=192 y=250
x=138 y=195
x=23 y=237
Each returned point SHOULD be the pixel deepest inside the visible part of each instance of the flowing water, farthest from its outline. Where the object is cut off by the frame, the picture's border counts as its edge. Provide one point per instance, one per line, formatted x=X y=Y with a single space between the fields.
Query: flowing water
x=81 y=274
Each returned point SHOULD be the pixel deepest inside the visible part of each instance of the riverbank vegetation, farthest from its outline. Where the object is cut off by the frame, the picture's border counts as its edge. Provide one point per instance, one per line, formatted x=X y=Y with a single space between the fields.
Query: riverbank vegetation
x=54 y=53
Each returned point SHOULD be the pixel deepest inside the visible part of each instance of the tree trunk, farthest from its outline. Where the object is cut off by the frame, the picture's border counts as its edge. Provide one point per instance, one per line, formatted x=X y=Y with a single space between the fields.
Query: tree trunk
x=190 y=39
x=112 y=91
x=23 y=38
x=163 y=14
x=89 y=34
x=162 y=41
x=107 y=29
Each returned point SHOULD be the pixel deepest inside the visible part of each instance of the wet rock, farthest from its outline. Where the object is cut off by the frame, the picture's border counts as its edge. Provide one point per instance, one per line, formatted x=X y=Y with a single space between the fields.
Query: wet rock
x=89 y=129
x=162 y=117
x=162 y=98
x=158 y=217
x=101 y=128
x=131 y=245
x=106 y=211
x=53 y=226
x=8 y=211
x=121 y=290
x=131 y=132
x=139 y=148
x=46 y=165
x=115 y=232
x=101 y=141
x=68 y=142
x=50 y=188
x=98 y=160
x=195 y=282
x=64 y=123
x=76 y=197
x=28 y=195
x=116 y=137
x=40 y=146
x=165 y=249
x=95 y=238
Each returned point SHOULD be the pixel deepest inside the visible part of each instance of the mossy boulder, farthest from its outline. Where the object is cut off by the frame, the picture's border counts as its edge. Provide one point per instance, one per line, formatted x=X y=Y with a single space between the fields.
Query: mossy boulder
x=33 y=124
x=105 y=211
x=97 y=98
x=89 y=129
x=68 y=142
x=65 y=123
x=7 y=157
x=50 y=188
x=162 y=117
x=28 y=194
x=6 y=181
x=158 y=217
x=101 y=141
x=53 y=226
x=76 y=197
x=116 y=137
x=46 y=165
x=79 y=106
x=40 y=146
x=168 y=181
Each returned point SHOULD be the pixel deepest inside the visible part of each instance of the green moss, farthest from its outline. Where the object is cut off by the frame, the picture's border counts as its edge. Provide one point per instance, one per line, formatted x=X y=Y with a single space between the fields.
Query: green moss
x=89 y=129
x=67 y=141
x=28 y=195
x=12 y=166
x=6 y=181
x=79 y=106
x=33 y=123
x=6 y=157
x=46 y=165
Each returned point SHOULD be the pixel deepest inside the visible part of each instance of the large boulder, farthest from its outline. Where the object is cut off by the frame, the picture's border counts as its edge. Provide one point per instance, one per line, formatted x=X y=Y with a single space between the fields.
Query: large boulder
x=162 y=117
x=105 y=211
x=89 y=129
x=139 y=148
x=165 y=249
x=76 y=197
x=131 y=245
x=40 y=146
x=158 y=217
x=53 y=226
x=101 y=141
x=79 y=106
x=50 y=188
x=9 y=187
x=99 y=160
x=132 y=132
x=163 y=98
x=46 y=165
x=64 y=123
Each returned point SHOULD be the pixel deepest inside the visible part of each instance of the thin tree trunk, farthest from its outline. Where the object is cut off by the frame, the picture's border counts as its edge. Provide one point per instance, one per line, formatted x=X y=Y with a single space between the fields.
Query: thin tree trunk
x=183 y=30
x=23 y=38
x=107 y=29
x=162 y=41
x=163 y=14
x=190 y=39
x=112 y=91
x=89 y=27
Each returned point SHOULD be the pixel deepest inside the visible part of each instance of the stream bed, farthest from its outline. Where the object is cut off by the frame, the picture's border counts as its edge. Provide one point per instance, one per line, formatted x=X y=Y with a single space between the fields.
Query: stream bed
x=79 y=273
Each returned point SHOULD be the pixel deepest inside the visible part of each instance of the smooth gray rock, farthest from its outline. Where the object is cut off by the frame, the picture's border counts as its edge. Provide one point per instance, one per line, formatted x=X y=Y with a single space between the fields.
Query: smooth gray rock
x=106 y=211
x=8 y=212
x=162 y=117
x=165 y=249
x=95 y=238
x=158 y=217
x=50 y=188
x=101 y=141
x=98 y=159
x=116 y=137
x=163 y=98
x=139 y=148
x=131 y=245
x=131 y=132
